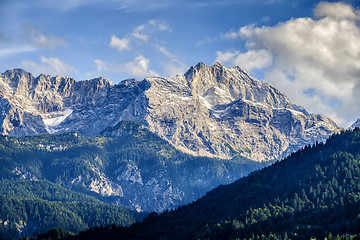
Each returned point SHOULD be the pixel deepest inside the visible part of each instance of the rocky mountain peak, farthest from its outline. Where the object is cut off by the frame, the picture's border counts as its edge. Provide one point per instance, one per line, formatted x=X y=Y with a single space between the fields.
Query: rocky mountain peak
x=17 y=79
x=17 y=74
x=221 y=85
x=200 y=68
x=100 y=82
x=208 y=111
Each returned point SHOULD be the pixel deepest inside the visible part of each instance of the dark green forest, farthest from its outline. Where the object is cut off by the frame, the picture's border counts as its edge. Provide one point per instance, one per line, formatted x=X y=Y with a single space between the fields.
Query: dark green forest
x=313 y=193
x=32 y=207
x=36 y=175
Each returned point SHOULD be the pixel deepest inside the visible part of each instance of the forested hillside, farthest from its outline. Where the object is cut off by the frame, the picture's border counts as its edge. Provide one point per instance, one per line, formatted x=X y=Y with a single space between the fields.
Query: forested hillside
x=64 y=180
x=315 y=192
x=32 y=207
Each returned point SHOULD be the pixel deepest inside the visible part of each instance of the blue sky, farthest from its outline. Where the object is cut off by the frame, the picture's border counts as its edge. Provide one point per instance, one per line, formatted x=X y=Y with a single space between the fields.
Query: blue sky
x=310 y=50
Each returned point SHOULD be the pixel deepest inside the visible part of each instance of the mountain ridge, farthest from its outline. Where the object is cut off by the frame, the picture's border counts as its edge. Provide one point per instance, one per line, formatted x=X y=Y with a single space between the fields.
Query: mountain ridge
x=209 y=111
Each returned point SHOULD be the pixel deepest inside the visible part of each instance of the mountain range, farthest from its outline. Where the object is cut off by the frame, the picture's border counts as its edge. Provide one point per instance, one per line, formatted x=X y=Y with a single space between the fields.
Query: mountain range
x=209 y=111
x=149 y=145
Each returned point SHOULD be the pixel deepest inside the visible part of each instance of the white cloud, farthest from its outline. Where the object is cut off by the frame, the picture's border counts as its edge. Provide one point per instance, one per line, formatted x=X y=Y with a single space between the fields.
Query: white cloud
x=317 y=55
x=226 y=57
x=48 y=42
x=138 y=67
x=338 y=10
x=140 y=34
x=174 y=67
x=164 y=51
x=9 y=51
x=51 y=66
x=121 y=44
x=160 y=25
x=230 y=35
x=250 y=60
x=144 y=36
x=31 y=42
x=101 y=66
x=145 y=31
x=38 y=39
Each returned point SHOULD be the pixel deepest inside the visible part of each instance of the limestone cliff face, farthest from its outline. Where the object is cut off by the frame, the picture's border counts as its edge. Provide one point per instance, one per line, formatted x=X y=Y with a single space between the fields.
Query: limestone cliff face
x=219 y=111
x=208 y=111
x=45 y=104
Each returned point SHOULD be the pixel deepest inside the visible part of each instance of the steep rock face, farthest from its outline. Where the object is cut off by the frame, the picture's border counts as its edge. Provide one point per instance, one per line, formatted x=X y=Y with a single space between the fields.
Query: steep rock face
x=208 y=111
x=219 y=111
x=45 y=104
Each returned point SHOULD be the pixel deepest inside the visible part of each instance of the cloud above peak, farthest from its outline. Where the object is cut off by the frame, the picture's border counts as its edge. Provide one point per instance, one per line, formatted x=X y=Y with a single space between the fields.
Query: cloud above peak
x=321 y=55
x=50 y=65
x=145 y=31
x=142 y=34
x=251 y=60
x=137 y=67
x=144 y=38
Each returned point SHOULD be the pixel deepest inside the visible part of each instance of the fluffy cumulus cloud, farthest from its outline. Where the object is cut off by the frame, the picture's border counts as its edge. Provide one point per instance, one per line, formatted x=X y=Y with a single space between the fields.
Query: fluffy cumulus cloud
x=140 y=67
x=51 y=66
x=315 y=61
x=337 y=10
x=253 y=59
x=121 y=44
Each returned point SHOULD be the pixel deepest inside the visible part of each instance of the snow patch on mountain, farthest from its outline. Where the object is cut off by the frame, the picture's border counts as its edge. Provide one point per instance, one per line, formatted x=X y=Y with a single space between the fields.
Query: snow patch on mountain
x=54 y=119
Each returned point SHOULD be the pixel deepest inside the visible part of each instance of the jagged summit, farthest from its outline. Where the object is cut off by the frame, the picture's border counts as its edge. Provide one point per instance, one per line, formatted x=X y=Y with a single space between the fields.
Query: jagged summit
x=210 y=110
x=355 y=124
x=221 y=85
